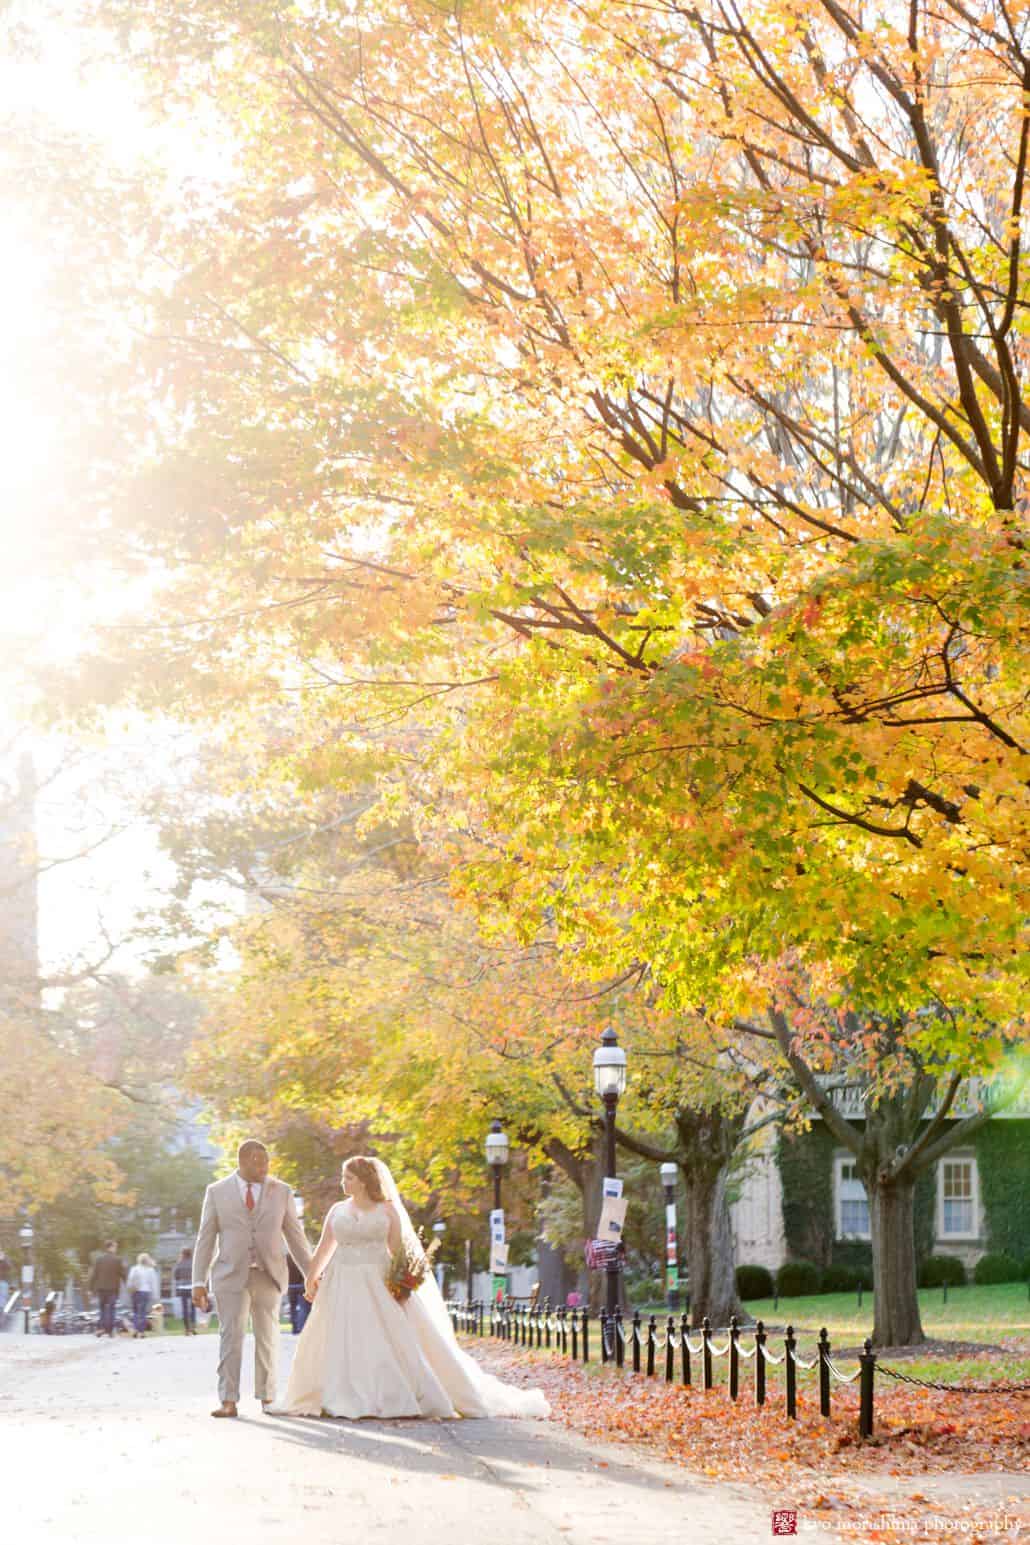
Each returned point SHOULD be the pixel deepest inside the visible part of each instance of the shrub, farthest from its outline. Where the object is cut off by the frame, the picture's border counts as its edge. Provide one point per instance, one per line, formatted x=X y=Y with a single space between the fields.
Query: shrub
x=642 y=1290
x=845 y=1279
x=937 y=1270
x=798 y=1279
x=856 y=1253
x=996 y=1267
x=754 y=1282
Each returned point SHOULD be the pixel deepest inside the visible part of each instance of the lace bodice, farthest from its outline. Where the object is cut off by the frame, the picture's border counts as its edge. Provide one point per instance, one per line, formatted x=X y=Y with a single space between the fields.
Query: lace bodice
x=360 y=1236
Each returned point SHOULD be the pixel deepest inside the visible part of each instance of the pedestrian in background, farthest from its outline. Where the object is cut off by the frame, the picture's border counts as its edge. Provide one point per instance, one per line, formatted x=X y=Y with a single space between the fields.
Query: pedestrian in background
x=105 y=1280
x=5 y=1288
x=182 y=1283
x=144 y=1285
x=300 y=1307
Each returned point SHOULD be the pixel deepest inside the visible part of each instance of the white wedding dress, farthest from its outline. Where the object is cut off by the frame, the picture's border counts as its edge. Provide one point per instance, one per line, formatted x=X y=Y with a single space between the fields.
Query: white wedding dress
x=362 y=1353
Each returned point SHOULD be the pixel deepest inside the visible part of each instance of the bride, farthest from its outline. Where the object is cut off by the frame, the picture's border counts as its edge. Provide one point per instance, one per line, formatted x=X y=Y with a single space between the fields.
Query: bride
x=362 y=1353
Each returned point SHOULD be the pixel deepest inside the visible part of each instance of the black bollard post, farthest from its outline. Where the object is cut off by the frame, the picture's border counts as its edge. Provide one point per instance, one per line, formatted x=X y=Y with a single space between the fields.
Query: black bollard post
x=824 y=1373
x=734 y=1358
x=620 y=1340
x=760 y=1364
x=607 y=1327
x=636 y=1341
x=652 y=1337
x=867 y=1361
x=790 y=1343
x=670 y=1350
x=685 y=1348
x=575 y=1336
x=706 y=1354
x=586 y=1344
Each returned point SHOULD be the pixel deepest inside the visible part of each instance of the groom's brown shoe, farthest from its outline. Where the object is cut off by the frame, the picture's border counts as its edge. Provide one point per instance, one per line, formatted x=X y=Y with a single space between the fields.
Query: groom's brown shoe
x=227 y=1408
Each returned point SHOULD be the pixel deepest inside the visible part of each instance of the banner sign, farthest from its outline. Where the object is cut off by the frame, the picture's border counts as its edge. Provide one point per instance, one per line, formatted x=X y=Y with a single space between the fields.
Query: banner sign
x=671 y=1266
x=613 y=1217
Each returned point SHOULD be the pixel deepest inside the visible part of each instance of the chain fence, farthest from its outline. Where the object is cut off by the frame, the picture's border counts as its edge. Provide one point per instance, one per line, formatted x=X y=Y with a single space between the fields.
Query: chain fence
x=568 y=1332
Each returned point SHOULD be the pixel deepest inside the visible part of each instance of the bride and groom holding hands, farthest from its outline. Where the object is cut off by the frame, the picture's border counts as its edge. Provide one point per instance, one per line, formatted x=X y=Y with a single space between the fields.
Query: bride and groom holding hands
x=363 y=1352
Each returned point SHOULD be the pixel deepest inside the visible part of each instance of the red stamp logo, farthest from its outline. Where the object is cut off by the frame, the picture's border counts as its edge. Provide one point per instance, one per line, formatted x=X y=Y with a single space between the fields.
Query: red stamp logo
x=785 y=1521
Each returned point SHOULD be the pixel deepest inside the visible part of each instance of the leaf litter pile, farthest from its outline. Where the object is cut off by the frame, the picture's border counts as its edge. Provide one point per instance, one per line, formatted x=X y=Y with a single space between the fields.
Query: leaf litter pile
x=820 y=1467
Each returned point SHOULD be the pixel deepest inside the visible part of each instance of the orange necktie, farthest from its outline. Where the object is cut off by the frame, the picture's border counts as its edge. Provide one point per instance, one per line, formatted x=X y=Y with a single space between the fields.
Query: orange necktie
x=250 y=1198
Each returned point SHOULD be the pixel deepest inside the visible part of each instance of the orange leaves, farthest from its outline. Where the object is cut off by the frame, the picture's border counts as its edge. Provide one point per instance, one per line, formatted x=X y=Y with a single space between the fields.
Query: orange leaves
x=822 y=1465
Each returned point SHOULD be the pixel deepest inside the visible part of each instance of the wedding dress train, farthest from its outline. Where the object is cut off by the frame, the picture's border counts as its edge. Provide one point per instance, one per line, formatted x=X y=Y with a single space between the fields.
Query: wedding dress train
x=362 y=1353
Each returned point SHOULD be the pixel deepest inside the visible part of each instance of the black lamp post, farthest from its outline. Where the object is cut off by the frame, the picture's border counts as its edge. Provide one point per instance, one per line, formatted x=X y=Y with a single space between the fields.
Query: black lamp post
x=610 y=1082
x=497 y=1157
x=26 y=1235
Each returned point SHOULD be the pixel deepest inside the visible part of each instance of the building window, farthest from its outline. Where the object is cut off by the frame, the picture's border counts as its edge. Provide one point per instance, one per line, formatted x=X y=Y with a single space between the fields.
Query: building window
x=850 y=1200
x=957 y=1185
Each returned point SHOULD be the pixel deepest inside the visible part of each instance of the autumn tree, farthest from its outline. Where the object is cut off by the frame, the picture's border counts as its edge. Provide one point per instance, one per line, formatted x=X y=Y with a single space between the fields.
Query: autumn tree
x=644 y=401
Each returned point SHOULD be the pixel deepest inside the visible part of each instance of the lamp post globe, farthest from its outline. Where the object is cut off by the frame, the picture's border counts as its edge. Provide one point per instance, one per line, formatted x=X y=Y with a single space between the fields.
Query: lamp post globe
x=496 y=1157
x=610 y=1082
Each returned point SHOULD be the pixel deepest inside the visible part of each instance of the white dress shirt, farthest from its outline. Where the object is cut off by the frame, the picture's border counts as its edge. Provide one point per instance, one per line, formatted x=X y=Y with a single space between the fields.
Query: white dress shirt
x=255 y=1191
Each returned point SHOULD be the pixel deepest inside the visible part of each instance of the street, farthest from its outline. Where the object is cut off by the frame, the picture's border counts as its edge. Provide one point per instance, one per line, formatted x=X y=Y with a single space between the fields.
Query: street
x=108 y=1442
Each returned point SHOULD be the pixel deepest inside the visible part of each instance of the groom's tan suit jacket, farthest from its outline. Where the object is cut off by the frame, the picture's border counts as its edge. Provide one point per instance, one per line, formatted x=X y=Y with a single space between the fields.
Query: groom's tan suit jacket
x=241 y=1236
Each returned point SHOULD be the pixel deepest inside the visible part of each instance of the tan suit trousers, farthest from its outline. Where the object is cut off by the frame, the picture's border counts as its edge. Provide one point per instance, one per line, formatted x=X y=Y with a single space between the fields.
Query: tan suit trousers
x=260 y=1299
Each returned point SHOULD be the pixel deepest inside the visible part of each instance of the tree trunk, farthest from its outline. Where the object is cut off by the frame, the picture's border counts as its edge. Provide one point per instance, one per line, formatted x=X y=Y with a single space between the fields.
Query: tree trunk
x=556 y=1277
x=586 y=1173
x=709 y=1247
x=891 y=1215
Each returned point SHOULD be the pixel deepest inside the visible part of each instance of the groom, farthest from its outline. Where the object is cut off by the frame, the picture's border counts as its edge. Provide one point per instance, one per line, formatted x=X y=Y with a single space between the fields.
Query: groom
x=248 y=1216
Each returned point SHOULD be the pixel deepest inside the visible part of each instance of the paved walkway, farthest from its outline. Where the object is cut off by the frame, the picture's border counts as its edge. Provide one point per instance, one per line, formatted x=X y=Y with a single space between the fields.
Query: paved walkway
x=111 y=1442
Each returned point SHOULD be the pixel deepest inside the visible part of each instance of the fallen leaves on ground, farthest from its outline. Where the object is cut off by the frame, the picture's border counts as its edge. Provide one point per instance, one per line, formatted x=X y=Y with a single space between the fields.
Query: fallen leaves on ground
x=819 y=1467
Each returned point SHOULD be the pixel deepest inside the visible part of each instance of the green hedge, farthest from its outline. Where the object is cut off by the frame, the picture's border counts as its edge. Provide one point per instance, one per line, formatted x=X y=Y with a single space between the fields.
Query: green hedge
x=798 y=1279
x=996 y=1267
x=754 y=1282
x=937 y=1270
x=846 y=1279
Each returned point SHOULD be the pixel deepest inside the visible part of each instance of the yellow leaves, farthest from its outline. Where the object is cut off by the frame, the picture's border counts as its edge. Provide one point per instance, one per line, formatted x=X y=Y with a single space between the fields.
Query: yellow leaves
x=56 y=1119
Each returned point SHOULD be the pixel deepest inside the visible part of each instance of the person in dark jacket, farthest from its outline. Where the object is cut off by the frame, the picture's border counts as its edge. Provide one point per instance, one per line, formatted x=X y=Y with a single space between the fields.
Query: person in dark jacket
x=300 y=1307
x=182 y=1283
x=105 y=1281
